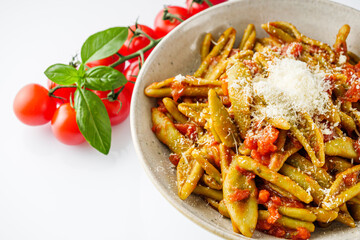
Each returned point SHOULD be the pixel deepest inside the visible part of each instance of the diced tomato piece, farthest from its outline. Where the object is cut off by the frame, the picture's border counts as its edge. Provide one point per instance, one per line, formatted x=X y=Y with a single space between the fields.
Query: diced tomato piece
x=261 y=142
x=239 y=195
x=267 y=140
x=224 y=86
x=174 y=159
x=274 y=215
x=187 y=129
x=177 y=89
x=264 y=196
x=250 y=142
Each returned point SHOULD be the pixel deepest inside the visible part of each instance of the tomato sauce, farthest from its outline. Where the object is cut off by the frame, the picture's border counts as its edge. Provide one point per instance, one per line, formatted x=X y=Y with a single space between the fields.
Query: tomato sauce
x=357 y=146
x=275 y=198
x=301 y=234
x=351 y=179
x=161 y=106
x=352 y=74
x=187 y=129
x=252 y=66
x=247 y=174
x=213 y=152
x=293 y=49
x=177 y=89
x=234 y=51
x=280 y=231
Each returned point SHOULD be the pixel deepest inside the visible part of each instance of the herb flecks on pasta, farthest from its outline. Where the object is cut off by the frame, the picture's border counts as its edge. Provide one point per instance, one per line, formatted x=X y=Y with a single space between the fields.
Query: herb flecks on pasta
x=267 y=131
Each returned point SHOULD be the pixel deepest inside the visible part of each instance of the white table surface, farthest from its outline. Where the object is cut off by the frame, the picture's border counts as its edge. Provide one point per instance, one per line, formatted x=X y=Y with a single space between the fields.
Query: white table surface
x=52 y=191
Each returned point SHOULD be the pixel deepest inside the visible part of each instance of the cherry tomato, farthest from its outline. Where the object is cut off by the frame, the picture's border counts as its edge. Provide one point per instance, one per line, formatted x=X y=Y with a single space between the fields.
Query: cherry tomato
x=163 y=27
x=33 y=106
x=64 y=126
x=101 y=94
x=131 y=73
x=195 y=8
x=107 y=62
x=65 y=93
x=132 y=45
x=118 y=110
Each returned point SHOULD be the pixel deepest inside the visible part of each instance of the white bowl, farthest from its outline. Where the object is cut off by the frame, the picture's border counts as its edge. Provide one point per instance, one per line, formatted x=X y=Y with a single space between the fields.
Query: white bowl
x=179 y=53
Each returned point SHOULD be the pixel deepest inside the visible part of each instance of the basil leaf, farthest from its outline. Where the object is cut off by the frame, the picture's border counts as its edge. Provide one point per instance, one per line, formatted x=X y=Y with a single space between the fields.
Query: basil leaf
x=103 y=44
x=104 y=78
x=93 y=120
x=62 y=74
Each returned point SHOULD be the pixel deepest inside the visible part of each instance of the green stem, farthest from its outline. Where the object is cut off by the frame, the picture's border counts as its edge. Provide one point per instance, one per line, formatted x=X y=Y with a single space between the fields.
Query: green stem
x=114 y=95
x=139 y=31
x=209 y=3
x=52 y=91
x=153 y=43
x=170 y=16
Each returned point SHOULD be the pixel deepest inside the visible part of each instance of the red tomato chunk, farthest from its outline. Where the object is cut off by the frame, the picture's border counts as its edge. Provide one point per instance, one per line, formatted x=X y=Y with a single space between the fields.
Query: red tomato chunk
x=239 y=195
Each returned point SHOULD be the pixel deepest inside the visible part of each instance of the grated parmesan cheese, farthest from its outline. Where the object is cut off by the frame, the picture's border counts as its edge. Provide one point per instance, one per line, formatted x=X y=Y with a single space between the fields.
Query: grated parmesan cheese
x=342 y=59
x=179 y=78
x=292 y=87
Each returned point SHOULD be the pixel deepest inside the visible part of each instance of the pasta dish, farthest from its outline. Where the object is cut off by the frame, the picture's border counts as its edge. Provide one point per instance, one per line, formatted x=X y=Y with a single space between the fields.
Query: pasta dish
x=267 y=131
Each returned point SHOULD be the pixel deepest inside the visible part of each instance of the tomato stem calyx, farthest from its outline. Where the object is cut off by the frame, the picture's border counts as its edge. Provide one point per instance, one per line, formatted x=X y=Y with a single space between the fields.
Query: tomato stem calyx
x=169 y=16
x=52 y=90
x=113 y=96
x=202 y=1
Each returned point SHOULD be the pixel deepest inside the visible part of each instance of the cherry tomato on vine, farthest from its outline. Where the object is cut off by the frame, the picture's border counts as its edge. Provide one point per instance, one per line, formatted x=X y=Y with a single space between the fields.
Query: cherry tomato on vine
x=195 y=8
x=64 y=126
x=107 y=62
x=131 y=73
x=163 y=27
x=65 y=93
x=119 y=109
x=33 y=106
x=133 y=45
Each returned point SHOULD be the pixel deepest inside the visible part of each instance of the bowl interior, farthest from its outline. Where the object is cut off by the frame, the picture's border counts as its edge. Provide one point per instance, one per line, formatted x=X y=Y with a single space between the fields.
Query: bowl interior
x=178 y=53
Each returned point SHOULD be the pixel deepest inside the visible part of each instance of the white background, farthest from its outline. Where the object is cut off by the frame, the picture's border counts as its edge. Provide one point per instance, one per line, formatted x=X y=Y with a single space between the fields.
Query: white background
x=52 y=191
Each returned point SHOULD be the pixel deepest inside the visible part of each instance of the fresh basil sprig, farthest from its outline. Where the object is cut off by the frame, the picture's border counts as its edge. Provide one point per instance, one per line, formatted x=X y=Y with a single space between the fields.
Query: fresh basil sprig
x=91 y=114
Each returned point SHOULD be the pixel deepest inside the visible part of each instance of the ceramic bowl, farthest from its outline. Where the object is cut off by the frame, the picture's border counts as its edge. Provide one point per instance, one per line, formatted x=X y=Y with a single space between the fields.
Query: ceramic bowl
x=178 y=53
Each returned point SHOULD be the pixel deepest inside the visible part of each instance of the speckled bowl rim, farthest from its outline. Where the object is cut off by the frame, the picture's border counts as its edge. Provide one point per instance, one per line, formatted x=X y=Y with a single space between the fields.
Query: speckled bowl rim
x=165 y=192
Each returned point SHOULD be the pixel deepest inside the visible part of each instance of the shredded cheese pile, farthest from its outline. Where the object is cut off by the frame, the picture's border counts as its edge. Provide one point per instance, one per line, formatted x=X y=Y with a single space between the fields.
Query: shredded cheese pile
x=291 y=87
